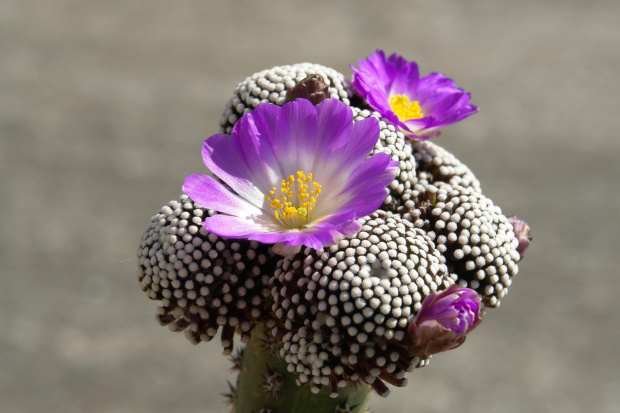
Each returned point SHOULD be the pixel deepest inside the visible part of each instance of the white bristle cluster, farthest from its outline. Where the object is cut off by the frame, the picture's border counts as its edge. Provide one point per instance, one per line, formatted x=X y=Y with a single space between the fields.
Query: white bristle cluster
x=270 y=86
x=344 y=310
x=203 y=281
x=435 y=164
x=477 y=241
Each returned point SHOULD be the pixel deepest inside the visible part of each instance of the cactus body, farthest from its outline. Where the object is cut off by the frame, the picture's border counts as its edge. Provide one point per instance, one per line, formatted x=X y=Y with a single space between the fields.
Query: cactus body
x=264 y=383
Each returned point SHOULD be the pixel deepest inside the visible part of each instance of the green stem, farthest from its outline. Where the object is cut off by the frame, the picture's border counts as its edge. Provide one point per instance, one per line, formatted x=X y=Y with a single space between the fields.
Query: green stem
x=258 y=365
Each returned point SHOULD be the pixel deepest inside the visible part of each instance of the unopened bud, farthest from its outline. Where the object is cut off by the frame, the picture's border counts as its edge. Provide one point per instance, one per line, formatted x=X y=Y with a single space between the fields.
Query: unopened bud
x=444 y=321
x=522 y=231
x=312 y=88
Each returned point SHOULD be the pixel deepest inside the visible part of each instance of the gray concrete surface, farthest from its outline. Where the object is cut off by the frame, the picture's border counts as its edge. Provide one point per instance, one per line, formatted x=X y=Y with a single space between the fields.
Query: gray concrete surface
x=103 y=107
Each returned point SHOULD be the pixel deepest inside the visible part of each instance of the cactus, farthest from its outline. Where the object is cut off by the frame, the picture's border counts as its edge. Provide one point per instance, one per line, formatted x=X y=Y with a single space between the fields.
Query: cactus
x=334 y=293
x=264 y=384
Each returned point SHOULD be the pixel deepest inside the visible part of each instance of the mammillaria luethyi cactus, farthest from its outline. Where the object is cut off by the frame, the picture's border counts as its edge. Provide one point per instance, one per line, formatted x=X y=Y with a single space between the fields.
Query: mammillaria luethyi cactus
x=340 y=245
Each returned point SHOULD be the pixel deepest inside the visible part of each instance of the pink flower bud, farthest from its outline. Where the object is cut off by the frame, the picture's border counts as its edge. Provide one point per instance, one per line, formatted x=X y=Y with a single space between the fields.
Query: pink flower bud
x=522 y=231
x=444 y=320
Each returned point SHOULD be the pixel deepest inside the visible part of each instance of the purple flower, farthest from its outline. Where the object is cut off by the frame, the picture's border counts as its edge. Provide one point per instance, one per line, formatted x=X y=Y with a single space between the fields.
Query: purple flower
x=418 y=106
x=444 y=320
x=296 y=175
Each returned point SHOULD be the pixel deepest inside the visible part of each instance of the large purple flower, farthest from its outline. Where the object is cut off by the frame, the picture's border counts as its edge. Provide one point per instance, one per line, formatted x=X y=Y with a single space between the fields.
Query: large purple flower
x=444 y=320
x=418 y=106
x=296 y=175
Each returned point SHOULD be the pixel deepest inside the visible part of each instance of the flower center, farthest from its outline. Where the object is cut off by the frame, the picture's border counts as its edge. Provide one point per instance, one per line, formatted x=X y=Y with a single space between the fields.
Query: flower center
x=295 y=200
x=404 y=109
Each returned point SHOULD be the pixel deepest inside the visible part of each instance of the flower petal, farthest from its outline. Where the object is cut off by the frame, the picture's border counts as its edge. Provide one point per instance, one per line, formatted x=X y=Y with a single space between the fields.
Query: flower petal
x=335 y=122
x=229 y=226
x=406 y=80
x=362 y=140
x=336 y=221
x=288 y=131
x=209 y=193
x=224 y=156
x=373 y=175
x=335 y=166
x=431 y=84
x=329 y=230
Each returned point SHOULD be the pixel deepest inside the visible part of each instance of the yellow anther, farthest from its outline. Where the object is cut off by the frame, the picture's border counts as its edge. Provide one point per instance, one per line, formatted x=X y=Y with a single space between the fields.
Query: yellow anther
x=293 y=202
x=404 y=109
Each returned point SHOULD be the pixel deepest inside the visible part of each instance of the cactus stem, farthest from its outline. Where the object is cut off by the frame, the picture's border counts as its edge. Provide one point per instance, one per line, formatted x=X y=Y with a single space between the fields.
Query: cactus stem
x=265 y=385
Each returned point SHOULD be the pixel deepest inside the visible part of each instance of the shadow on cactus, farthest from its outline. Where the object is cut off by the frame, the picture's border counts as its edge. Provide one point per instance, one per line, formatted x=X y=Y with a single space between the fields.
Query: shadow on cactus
x=342 y=253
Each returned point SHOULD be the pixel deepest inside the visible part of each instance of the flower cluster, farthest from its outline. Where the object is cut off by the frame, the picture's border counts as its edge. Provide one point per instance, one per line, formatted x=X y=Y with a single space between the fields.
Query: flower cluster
x=359 y=248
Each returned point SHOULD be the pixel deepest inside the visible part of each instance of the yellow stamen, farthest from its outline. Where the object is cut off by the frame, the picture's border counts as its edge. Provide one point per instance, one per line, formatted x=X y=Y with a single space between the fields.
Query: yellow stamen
x=292 y=205
x=404 y=109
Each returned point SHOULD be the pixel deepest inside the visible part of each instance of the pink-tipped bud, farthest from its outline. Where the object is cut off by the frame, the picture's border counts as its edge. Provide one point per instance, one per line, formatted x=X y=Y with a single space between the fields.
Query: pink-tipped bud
x=444 y=320
x=522 y=231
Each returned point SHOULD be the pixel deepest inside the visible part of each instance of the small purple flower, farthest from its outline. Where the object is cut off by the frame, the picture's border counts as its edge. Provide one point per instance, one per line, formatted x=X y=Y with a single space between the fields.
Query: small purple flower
x=522 y=231
x=293 y=175
x=444 y=320
x=418 y=106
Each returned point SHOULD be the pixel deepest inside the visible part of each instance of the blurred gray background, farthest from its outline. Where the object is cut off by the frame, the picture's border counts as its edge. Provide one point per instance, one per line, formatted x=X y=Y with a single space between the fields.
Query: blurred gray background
x=103 y=108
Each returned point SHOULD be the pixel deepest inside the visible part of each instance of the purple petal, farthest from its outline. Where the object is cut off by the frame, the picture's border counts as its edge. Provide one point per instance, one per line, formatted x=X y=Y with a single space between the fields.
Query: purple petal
x=406 y=80
x=361 y=139
x=335 y=121
x=325 y=232
x=228 y=226
x=341 y=221
x=285 y=129
x=440 y=104
x=376 y=66
x=332 y=229
x=369 y=182
x=208 y=193
x=224 y=156
x=313 y=239
x=374 y=79
x=431 y=84
x=300 y=137
x=308 y=237
x=379 y=77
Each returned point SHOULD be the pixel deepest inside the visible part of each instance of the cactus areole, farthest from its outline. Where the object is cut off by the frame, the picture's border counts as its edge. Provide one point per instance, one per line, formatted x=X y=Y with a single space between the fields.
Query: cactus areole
x=331 y=237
